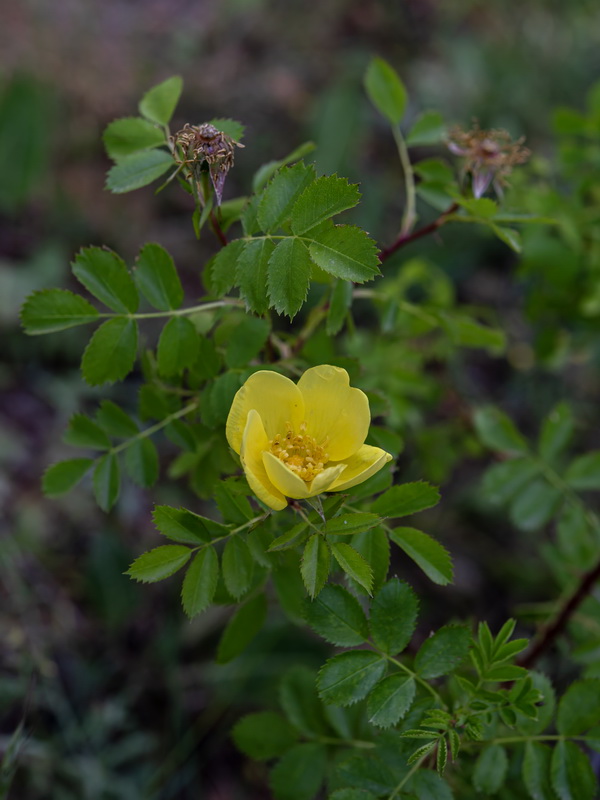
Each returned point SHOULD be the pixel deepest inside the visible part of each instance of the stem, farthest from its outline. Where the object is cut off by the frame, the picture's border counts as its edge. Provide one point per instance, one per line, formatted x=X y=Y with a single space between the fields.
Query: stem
x=354 y=742
x=408 y=776
x=214 y=222
x=155 y=428
x=406 y=238
x=410 y=216
x=415 y=677
x=179 y=312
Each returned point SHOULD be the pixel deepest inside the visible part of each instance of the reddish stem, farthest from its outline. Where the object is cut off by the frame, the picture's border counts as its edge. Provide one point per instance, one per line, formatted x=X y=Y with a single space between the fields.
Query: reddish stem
x=407 y=238
x=217 y=229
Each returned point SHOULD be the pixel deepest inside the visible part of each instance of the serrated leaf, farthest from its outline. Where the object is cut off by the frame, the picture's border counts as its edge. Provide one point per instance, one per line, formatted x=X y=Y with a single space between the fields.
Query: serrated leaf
x=374 y=547
x=443 y=652
x=127 y=135
x=288 y=276
x=251 y=274
x=138 y=170
x=182 y=525
x=421 y=752
x=200 y=582
x=341 y=300
x=353 y=564
x=107 y=481
x=442 y=756
x=571 y=773
x=535 y=505
x=242 y=627
x=368 y=773
x=536 y=771
x=434 y=560
x=264 y=173
x=556 y=432
x=506 y=672
x=299 y=774
x=159 y=103
x=178 y=346
x=315 y=564
x=110 y=354
x=502 y=481
x=390 y=700
x=141 y=462
x=409 y=498
x=385 y=90
x=337 y=616
x=579 y=708
x=223 y=270
x=321 y=200
x=160 y=563
x=348 y=677
x=346 y=252
x=238 y=566
x=428 y=785
x=51 y=310
x=114 y=421
x=280 y=195
x=393 y=616
x=230 y=127
x=264 y=735
x=497 y=431
x=232 y=503
x=490 y=769
x=428 y=128
x=247 y=340
x=583 y=473
x=289 y=539
x=84 y=432
x=104 y=274
x=157 y=278
x=349 y=524
x=63 y=476
x=299 y=701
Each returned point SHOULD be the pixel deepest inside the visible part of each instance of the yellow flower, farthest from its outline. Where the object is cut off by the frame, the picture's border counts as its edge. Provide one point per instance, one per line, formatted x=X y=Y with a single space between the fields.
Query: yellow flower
x=298 y=440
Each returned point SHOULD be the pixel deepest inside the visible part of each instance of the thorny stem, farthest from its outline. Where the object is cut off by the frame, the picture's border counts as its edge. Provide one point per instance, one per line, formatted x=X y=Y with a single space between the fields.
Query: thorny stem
x=406 y=238
x=410 y=216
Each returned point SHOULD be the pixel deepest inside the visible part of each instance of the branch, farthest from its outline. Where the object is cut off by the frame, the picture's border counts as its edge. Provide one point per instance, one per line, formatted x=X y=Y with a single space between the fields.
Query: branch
x=553 y=627
x=407 y=238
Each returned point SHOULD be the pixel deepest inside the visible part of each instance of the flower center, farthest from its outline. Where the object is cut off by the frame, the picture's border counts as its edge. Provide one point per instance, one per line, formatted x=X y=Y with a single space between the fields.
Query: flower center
x=300 y=452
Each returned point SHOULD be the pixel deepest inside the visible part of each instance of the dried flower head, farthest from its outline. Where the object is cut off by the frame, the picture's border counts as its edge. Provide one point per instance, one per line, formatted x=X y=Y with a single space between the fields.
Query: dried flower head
x=489 y=156
x=202 y=146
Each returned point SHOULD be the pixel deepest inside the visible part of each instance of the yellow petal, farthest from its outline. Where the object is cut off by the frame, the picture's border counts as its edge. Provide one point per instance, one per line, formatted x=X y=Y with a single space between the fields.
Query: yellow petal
x=335 y=410
x=283 y=478
x=325 y=479
x=366 y=462
x=276 y=399
x=254 y=441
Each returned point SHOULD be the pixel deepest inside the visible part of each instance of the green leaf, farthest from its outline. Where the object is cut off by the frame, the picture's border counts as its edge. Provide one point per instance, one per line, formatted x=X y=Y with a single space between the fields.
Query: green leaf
x=346 y=252
x=571 y=773
x=315 y=564
x=184 y=526
x=337 y=616
x=178 y=346
x=63 y=476
x=288 y=276
x=502 y=481
x=246 y=342
x=348 y=677
x=428 y=128
x=232 y=503
x=583 y=472
x=341 y=300
x=157 y=278
x=251 y=274
x=393 y=618
x=535 y=505
x=467 y=332
x=84 y=432
x=125 y=136
x=141 y=462
x=579 y=708
x=300 y=773
x=349 y=524
x=51 y=310
x=480 y=207
x=238 y=566
x=321 y=200
x=158 y=104
x=433 y=559
x=385 y=90
x=353 y=564
x=498 y=432
x=374 y=547
x=104 y=274
x=200 y=582
x=264 y=173
x=223 y=270
x=299 y=701
x=242 y=627
x=427 y=785
x=536 y=771
x=390 y=700
x=409 y=498
x=159 y=563
x=556 y=432
x=110 y=354
x=107 y=481
x=368 y=773
x=264 y=735
x=280 y=195
x=114 y=421
x=509 y=236
x=490 y=769
x=230 y=127
x=137 y=170
x=443 y=652
x=352 y=794
x=289 y=539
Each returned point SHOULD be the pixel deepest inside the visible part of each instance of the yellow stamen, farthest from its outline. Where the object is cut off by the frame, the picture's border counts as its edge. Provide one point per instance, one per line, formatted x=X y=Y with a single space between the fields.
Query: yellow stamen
x=301 y=453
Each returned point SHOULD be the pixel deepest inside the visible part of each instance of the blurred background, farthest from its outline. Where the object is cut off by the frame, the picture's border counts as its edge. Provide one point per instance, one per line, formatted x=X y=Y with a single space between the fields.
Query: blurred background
x=118 y=691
